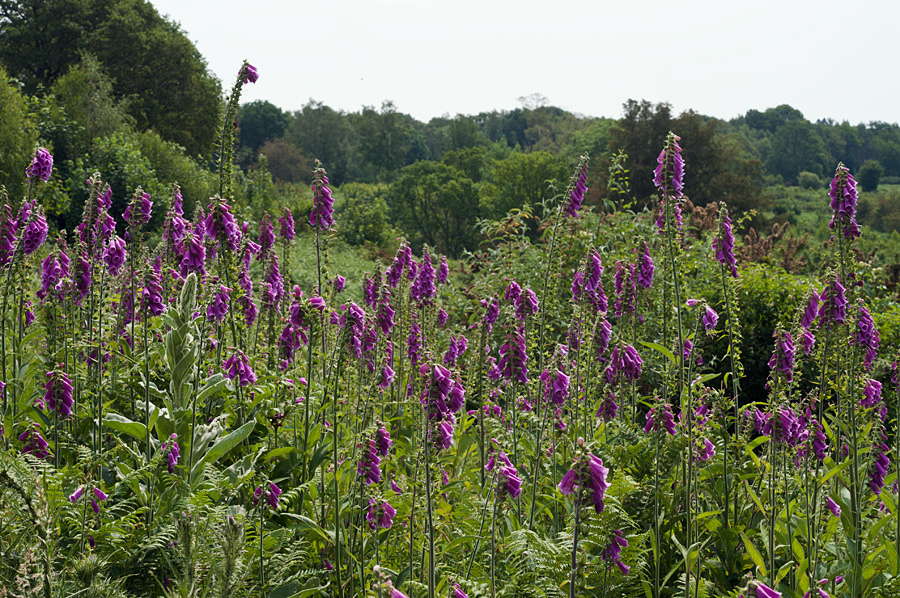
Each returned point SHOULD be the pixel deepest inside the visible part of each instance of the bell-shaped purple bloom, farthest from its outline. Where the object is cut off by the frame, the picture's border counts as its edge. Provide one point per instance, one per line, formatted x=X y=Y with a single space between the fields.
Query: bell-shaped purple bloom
x=218 y=307
x=34 y=443
x=624 y=362
x=41 y=166
x=220 y=225
x=879 y=467
x=139 y=210
x=589 y=473
x=369 y=462
x=238 y=366
x=152 y=294
x=58 y=393
x=867 y=336
x=443 y=270
x=782 y=359
x=286 y=226
x=114 y=255
x=872 y=394
x=843 y=202
x=764 y=591
x=513 y=357
x=811 y=311
x=645 y=271
x=35 y=232
x=173 y=453
x=710 y=319
x=509 y=482
x=724 y=244
x=322 y=215
x=833 y=507
x=577 y=188
x=527 y=304
x=249 y=74
x=669 y=174
x=383 y=441
x=380 y=515
x=660 y=418
x=266 y=236
x=833 y=310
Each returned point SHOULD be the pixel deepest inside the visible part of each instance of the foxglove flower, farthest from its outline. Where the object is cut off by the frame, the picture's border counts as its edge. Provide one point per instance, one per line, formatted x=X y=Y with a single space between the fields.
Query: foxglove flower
x=867 y=336
x=872 y=392
x=509 y=482
x=369 y=463
x=248 y=73
x=724 y=243
x=608 y=408
x=218 y=308
x=710 y=319
x=807 y=340
x=764 y=591
x=624 y=362
x=322 y=215
x=383 y=441
x=645 y=272
x=660 y=418
x=238 y=366
x=34 y=443
x=152 y=295
x=587 y=472
x=286 y=226
x=811 y=311
x=613 y=552
x=443 y=270
x=833 y=507
x=380 y=515
x=423 y=288
x=266 y=236
x=833 y=310
x=58 y=393
x=339 y=283
x=527 y=304
x=843 y=202
x=879 y=467
x=139 y=210
x=513 y=357
x=577 y=188
x=220 y=225
x=270 y=496
x=35 y=232
x=602 y=335
x=414 y=343
x=705 y=450
x=782 y=359
x=41 y=166
x=669 y=174
x=114 y=255
x=173 y=453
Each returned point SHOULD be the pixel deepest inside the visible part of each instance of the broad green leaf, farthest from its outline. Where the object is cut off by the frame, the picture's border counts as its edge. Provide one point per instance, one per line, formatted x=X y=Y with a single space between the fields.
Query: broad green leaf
x=222 y=447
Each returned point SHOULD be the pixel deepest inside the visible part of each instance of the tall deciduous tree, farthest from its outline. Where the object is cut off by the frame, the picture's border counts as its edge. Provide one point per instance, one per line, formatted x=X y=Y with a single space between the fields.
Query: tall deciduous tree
x=436 y=204
x=151 y=62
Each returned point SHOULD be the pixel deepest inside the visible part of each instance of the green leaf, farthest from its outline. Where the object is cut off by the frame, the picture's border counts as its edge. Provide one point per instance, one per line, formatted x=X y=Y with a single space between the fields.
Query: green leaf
x=661 y=349
x=120 y=423
x=755 y=555
x=222 y=447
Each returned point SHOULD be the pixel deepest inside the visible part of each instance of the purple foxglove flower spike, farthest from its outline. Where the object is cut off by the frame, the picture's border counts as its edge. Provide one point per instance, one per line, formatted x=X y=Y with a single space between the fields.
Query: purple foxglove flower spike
x=576 y=189
x=41 y=166
x=843 y=202
x=35 y=232
x=58 y=395
x=238 y=366
x=322 y=213
x=710 y=319
x=647 y=267
x=286 y=226
x=833 y=310
x=724 y=243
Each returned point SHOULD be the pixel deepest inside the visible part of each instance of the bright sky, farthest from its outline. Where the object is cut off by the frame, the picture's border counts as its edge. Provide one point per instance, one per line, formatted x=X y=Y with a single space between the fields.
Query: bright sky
x=826 y=58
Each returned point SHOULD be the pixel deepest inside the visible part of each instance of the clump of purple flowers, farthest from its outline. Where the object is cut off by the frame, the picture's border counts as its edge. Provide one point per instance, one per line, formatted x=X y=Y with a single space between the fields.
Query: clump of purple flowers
x=248 y=73
x=369 y=462
x=782 y=359
x=270 y=496
x=577 y=188
x=660 y=418
x=139 y=210
x=866 y=336
x=833 y=310
x=843 y=202
x=645 y=271
x=322 y=215
x=218 y=308
x=114 y=255
x=238 y=366
x=58 y=395
x=173 y=453
x=613 y=552
x=380 y=514
x=35 y=231
x=587 y=472
x=623 y=363
x=724 y=243
x=41 y=166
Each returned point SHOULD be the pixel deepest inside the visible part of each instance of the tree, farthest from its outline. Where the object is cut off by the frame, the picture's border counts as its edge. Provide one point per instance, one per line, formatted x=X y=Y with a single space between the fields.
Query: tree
x=259 y=122
x=323 y=134
x=17 y=138
x=150 y=61
x=796 y=147
x=285 y=161
x=436 y=204
x=869 y=175
x=522 y=179
x=383 y=140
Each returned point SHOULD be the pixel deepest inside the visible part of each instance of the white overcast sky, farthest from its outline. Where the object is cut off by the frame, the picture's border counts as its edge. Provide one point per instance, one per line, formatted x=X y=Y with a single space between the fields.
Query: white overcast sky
x=828 y=59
